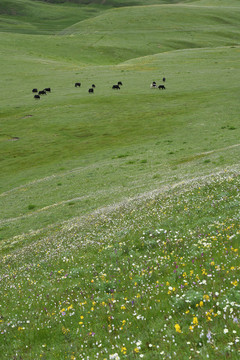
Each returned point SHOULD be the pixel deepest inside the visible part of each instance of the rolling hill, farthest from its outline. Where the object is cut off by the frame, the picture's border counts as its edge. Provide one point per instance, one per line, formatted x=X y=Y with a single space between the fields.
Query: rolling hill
x=119 y=229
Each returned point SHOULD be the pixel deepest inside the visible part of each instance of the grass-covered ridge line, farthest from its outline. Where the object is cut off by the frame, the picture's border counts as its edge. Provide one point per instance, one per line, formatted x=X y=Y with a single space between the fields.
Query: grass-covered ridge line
x=37 y=17
x=169 y=260
x=146 y=30
x=32 y=17
x=117 y=3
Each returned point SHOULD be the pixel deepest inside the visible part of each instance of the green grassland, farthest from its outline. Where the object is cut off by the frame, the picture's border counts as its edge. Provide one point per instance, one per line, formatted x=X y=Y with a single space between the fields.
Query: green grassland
x=108 y=200
x=129 y=141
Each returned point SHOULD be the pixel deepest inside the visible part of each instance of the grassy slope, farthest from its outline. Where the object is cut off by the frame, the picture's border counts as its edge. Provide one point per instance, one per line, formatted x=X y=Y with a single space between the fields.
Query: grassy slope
x=155 y=29
x=146 y=131
x=31 y=17
x=155 y=276
x=136 y=147
x=36 y=17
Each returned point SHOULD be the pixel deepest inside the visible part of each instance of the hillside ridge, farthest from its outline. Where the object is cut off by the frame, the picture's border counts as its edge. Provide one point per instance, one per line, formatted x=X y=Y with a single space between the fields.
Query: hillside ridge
x=183 y=185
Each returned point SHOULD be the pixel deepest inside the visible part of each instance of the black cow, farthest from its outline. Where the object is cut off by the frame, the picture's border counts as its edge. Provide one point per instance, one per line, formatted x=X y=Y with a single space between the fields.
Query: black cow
x=77 y=84
x=164 y=79
x=116 y=87
x=36 y=96
x=90 y=90
x=47 y=89
x=153 y=85
x=34 y=90
x=93 y=85
x=161 y=87
x=119 y=83
x=42 y=92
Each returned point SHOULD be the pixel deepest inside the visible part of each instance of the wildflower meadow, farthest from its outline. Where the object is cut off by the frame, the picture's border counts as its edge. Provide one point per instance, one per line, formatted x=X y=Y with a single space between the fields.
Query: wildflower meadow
x=154 y=278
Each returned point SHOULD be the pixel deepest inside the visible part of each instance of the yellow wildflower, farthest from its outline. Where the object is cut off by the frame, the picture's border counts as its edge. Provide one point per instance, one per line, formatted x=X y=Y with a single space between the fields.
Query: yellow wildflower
x=124 y=350
x=178 y=328
x=195 y=321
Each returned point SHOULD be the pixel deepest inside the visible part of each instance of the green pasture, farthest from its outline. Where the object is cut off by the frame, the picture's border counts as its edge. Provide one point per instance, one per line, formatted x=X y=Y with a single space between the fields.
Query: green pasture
x=78 y=151
x=89 y=149
x=119 y=225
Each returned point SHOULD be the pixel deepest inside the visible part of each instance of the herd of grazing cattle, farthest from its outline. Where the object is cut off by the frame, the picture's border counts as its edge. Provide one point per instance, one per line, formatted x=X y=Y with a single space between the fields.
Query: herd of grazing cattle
x=91 y=90
x=41 y=92
x=160 y=87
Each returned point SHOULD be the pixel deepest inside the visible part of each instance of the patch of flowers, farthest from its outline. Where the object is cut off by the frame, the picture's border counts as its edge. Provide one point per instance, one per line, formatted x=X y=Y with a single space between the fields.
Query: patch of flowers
x=156 y=277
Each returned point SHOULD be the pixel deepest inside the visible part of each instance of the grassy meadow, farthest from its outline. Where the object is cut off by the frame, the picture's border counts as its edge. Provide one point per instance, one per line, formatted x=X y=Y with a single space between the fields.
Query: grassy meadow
x=119 y=226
